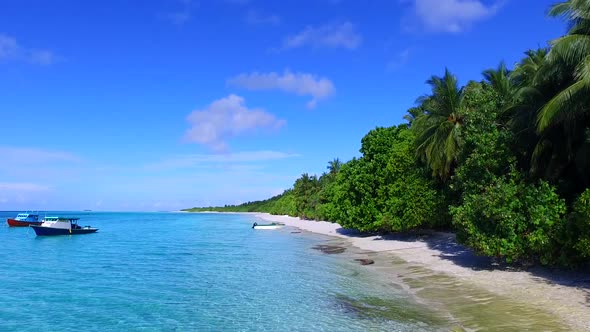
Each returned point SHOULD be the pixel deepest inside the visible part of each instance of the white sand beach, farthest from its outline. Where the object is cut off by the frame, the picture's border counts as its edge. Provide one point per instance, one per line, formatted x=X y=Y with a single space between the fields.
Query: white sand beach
x=563 y=294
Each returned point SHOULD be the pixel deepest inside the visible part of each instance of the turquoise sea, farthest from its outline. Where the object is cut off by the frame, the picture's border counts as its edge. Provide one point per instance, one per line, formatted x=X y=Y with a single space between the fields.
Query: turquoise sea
x=192 y=272
x=213 y=272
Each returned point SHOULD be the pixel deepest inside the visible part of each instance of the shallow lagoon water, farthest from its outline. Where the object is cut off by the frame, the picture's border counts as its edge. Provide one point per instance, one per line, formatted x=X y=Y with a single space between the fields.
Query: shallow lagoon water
x=212 y=272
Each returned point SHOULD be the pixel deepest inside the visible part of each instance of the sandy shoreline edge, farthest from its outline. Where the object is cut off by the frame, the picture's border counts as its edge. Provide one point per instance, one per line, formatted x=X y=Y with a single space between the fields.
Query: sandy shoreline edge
x=565 y=294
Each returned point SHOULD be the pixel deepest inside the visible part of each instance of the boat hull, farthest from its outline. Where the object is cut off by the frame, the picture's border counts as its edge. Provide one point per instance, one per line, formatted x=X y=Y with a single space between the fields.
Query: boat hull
x=273 y=225
x=50 y=231
x=267 y=227
x=17 y=223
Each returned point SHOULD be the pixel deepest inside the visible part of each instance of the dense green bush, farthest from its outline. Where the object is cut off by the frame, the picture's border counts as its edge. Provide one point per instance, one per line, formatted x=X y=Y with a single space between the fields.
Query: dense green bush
x=486 y=151
x=284 y=204
x=576 y=234
x=306 y=191
x=511 y=219
x=385 y=190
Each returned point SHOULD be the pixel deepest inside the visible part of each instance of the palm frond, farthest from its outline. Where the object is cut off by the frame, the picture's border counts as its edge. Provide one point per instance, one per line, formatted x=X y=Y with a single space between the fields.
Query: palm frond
x=571 y=9
x=527 y=94
x=579 y=27
x=583 y=70
x=500 y=81
x=568 y=101
x=559 y=9
x=562 y=102
x=571 y=48
x=525 y=72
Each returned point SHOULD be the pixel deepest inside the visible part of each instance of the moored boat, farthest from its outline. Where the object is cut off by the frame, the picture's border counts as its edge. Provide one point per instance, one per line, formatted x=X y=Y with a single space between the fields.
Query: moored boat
x=24 y=220
x=61 y=226
x=273 y=225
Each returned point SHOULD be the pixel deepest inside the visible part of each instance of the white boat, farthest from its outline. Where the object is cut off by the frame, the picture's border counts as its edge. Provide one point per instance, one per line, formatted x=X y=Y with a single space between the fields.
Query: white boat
x=273 y=225
x=61 y=226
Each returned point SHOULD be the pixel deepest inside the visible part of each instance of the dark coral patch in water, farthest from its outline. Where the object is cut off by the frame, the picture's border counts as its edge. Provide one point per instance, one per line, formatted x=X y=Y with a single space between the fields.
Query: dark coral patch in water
x=327 y=249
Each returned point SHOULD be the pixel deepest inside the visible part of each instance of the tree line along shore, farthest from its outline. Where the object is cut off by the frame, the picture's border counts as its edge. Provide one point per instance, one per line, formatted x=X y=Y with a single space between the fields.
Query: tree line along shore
x=503 y=161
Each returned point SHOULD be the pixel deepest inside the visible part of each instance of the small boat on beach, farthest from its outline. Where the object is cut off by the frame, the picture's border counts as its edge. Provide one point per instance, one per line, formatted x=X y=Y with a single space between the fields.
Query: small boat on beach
x=61 y=226
x=24 y=220
x=273 y=225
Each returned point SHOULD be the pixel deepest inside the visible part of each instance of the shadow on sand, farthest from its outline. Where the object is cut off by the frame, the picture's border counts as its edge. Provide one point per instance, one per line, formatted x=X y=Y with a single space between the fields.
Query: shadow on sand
x=462 y=256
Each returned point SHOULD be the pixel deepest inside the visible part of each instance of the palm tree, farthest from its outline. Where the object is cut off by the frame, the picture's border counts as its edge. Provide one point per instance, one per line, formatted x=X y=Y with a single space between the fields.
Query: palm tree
x=334 y=166
x=413 y=113
x=533 y=87
x=565 y=119
x=305 y=189
x=550 y=108
x=526 y=73
x=438 y=129
x=500 y=80
x=571 y=54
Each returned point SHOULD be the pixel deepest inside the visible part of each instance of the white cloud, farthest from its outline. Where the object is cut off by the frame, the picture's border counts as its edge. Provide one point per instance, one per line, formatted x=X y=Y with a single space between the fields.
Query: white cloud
x=22 y=187
x=42 y=57
x=399 y=60
x=33 y=172
x=193 y=160
x=226 y=118
x=329 y=35
x=14 y=194
x=178 y=18
x=452 y=15
x=29 y=156
x=254 y=17
x=10 y=49
x=182 y=15
x=302 y=84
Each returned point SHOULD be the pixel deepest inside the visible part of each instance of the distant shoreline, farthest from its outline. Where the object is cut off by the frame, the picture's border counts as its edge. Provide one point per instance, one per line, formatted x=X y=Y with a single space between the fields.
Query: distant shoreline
x=565 y=294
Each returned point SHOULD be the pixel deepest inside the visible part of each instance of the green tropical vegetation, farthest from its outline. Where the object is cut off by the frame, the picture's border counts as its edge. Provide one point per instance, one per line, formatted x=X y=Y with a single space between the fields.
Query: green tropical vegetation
x=503 y=161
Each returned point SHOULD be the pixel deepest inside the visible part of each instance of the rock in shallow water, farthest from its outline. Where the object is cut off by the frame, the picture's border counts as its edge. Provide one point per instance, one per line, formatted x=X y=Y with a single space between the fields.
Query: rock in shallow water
x=365 y=261
x=327 y=249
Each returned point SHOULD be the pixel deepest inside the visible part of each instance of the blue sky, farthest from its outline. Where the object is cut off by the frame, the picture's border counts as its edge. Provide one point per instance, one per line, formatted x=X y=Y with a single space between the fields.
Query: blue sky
x=167 y=104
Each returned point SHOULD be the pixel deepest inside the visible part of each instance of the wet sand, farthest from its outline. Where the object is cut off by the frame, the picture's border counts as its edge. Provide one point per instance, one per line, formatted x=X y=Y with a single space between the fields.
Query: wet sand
x=474 y=291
